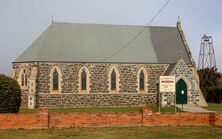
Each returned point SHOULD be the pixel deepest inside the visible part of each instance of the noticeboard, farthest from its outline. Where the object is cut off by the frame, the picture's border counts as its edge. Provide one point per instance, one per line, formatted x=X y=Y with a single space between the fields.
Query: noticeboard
x=167 y=84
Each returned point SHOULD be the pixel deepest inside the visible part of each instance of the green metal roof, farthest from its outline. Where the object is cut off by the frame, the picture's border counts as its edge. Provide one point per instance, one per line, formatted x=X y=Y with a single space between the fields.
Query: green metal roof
x=72 y=42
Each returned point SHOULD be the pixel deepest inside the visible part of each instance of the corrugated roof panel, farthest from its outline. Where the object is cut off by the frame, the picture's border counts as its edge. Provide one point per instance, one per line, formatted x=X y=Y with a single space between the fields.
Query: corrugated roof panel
x=168 y=44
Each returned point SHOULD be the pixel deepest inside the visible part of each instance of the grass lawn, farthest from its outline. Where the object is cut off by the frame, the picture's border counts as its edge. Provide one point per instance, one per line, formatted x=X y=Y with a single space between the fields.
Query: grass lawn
x=107 y=109
x=168 y=132
x=28 y=110
x=68 y=110
x=214 y=106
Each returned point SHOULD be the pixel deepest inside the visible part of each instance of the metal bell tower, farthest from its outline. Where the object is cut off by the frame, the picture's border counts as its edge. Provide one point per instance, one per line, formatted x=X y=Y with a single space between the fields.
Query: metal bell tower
x=206 y=55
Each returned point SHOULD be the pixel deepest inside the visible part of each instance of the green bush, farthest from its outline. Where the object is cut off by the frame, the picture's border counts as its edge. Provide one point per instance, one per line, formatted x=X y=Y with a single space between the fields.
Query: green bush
x=10 y=95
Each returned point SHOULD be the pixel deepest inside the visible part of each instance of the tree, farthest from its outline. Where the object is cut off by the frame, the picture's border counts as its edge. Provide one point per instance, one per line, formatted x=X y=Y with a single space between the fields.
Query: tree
x=209 y=77
x=10 y=95
x=210 y=84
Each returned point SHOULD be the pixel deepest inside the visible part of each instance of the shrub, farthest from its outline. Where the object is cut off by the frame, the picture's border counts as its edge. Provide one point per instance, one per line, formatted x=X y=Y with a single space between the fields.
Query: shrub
x=210 y=84
x=10 y=95
x=214 y=94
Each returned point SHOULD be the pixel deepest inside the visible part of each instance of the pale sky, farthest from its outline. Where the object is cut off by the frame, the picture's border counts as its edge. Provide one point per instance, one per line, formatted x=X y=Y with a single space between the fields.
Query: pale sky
x=22 y=21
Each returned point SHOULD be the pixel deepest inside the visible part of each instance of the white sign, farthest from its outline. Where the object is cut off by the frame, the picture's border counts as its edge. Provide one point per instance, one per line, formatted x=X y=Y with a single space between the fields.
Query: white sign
x=182 y=92
x=167 y=84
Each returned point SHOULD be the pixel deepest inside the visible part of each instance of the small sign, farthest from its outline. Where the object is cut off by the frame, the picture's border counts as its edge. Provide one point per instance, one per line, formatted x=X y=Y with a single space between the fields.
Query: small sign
x=182 y=92
x=167 y=84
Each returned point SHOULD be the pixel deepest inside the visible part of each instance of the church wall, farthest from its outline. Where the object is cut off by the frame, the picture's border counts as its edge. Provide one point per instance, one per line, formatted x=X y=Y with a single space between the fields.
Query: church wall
x=71 y=97
x=99 y=94
x=16 y=70
x=96 y=100
x=182 y=71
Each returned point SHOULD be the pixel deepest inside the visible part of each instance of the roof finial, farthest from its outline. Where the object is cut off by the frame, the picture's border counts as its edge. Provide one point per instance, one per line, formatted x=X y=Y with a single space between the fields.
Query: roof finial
x=179 y=23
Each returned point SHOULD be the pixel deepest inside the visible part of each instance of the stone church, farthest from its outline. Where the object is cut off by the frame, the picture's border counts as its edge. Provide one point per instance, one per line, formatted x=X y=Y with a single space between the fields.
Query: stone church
x=95 y=65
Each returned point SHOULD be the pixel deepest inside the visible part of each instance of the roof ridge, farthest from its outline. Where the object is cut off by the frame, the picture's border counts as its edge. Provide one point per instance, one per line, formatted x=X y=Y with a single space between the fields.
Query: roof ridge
x=107 y=24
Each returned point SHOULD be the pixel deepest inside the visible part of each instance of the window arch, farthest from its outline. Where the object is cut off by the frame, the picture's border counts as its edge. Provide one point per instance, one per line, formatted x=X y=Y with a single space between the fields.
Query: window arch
x=84 y=80
x=142 y=80
x=55 y=80
x=113 y=80
x=23 y=77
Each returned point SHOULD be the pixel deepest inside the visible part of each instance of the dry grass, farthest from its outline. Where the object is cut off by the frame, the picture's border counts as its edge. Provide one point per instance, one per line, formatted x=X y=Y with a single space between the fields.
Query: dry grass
x=215 y=106
x=189 y=132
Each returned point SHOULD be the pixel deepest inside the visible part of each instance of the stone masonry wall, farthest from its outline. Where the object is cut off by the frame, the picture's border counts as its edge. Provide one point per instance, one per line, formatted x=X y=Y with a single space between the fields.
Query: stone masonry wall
x=16 y=70
x=98 y=77
x=182 y=71
x=99 y=91
x=96 y=100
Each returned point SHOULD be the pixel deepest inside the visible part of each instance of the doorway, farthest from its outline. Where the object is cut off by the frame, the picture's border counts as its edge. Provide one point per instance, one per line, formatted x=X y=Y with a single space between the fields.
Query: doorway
x=181 y=92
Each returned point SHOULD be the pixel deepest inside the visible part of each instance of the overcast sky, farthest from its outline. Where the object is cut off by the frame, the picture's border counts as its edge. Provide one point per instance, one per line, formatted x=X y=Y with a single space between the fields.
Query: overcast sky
x=22 y=21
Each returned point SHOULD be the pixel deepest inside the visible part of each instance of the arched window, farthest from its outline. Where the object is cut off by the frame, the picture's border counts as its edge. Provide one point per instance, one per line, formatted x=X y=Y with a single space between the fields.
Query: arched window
x=26 y=80
x=55 y=80
x=22 y=80
x=113 y=80
x=83 y=80
x=141 y=81
x=23 y=77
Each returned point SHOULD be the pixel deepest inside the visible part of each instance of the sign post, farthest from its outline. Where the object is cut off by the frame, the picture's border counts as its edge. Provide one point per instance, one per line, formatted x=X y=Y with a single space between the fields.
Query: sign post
x=175 y=108
x=167 y=84
x=182 y=92
x=159 y=102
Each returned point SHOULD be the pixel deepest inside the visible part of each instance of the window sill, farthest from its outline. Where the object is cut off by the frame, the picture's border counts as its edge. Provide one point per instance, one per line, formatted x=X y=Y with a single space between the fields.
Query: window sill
x=55 y=92
x=142 y=92
x=114 y=92
x=23 y=87
x=84 y=92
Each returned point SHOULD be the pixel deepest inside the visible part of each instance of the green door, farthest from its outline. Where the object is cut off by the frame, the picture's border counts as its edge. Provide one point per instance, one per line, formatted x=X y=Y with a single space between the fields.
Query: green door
x=181 y=92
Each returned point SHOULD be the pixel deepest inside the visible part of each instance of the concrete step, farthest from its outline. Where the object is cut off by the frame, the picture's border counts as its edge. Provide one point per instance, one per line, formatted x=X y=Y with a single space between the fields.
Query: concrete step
x=189 y=108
